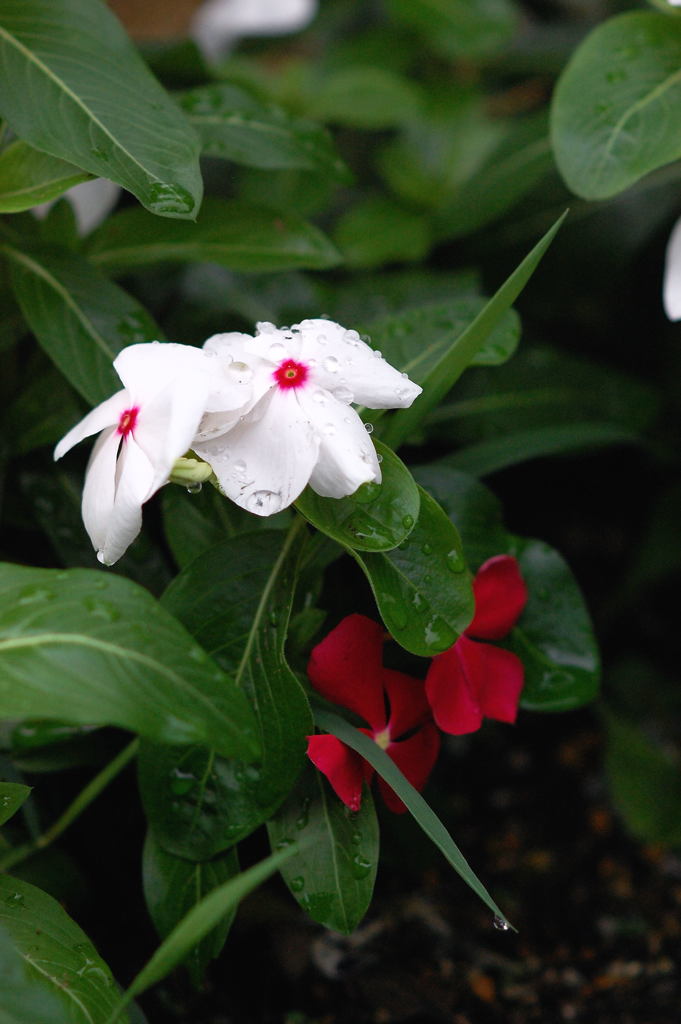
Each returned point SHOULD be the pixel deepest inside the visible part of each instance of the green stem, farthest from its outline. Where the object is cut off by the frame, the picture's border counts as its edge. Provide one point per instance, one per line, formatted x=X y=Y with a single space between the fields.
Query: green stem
x=75 y=808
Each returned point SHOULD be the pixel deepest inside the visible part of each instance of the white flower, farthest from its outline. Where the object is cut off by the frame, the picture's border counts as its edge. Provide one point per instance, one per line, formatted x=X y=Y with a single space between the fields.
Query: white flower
x=299 y=427
x=144 y=428
x=671 y=292
x=218 y=23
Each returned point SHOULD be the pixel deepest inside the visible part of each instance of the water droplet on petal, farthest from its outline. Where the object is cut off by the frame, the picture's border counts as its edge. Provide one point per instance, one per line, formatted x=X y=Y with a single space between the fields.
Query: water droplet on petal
x=277 y=351
x=331 y=364
x=500 y=924
x=329 y=429
x=240 y=372
x=264 y=503
x=369 y=427
x=195 y=487
x=378 y=354
x=319 y=397
x=321 y=339
x=352 y=338
x=240 y=467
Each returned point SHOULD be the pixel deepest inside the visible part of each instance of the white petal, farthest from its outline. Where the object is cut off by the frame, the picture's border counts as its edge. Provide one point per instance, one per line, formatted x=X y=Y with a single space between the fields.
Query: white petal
x=263 y=464
x=671 y=293
x=100 y=486
x=347 y=457
x=135 y=485
x=167 y=424
x=219 y=22
x=106 y=414
x=92 y=201
x=149 y=368
x=345 y=363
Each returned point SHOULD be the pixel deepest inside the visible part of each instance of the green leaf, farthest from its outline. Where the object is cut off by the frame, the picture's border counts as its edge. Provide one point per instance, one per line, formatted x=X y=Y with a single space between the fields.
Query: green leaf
x=80 y=318
x=422 y=588
x=645 y=783
x=537 y=442
x=29 y=177
x=12 y=796
x=417 y=339
x=364 y=97
x=458 y=28
x=378 y=230
x=377 y=517
x=26 y=994
x=42 y=411
x=520 y=160
x=333 y=877
x=235 y=125
x=616 y=111
x=232 y=233
x=416 y=805
x=115 y=120
x=200 y=920
x=173 y=885
x=554 y=638
x=97 y=649
x=57 y=952
x=193 y=523
x=236 y=598
x=460 y=355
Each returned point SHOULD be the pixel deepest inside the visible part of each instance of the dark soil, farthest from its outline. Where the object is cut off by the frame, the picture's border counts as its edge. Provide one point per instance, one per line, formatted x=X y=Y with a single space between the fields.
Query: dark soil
x=599 y=936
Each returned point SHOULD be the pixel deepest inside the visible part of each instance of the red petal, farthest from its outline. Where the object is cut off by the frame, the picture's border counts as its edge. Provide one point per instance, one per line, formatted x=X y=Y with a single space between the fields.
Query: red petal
x=452 y=688
x=415 y=758
x=408 y=702
x=500 y=596
x=501 y=688
x=346 y=668
x=342 y=766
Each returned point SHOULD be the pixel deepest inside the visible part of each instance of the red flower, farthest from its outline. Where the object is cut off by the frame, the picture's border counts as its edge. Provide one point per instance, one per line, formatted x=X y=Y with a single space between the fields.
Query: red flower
x=473 y=680
x=347 y=668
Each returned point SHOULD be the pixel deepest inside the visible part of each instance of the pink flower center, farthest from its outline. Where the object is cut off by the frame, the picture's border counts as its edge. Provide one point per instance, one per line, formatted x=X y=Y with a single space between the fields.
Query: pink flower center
x=290 y=374
x=127 y=421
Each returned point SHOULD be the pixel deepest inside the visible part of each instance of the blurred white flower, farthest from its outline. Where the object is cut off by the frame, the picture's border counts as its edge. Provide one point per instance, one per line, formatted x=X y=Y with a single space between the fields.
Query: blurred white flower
x=299 y=427
x=91 y=202
x=219 y=23
x=671 y=291
x=144 y=428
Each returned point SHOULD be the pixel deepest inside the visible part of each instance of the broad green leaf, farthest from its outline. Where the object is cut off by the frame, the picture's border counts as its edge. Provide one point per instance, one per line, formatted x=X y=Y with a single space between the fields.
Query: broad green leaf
x=554 y=638
x=458 y=28
x=58 y=953
x=377 y=517
x=12 y=796
x=645 y=783
x=26 y=994
x=173 y=885
x=43 y=410
x=333 y=877
x=416 y=339
x=460 y=355
x=422 y=588
x=114 y=120
x=616 y=111
x=232 y=233
x=513 y=168
x=29 y=177
x=236 y=599
x=80 y=318
x=97 y=649
x=416 y=805
x=537 y=442
x=235 y=125
x=195 y=522
x=200 y=920
x=378 y=230
x=474 y=510
x=368 y=297
x=54 y=496
x=364 y=97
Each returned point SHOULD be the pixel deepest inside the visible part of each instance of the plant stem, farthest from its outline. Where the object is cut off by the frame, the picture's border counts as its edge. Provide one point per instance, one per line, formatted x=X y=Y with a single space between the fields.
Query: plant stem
x=75 y=808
